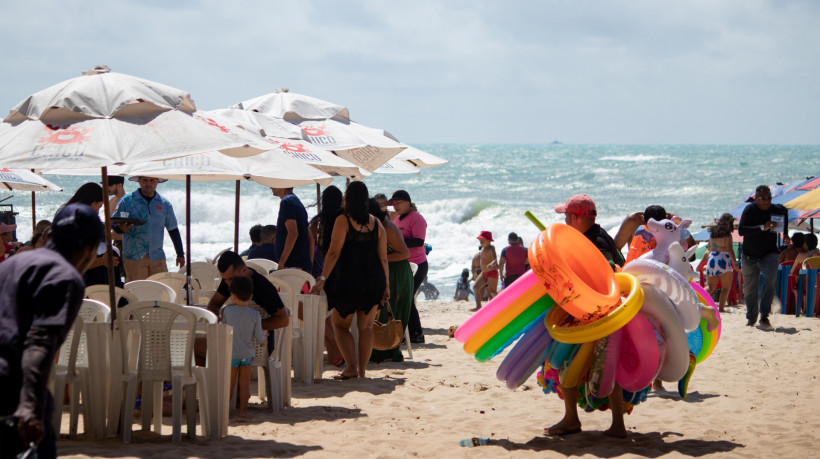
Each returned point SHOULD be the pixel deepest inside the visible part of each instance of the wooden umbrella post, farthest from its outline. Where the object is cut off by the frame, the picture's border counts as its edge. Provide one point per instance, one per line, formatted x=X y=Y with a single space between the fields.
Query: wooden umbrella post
x=33 y=211
x=188 y=238
x=112 y=297
x=236 y=219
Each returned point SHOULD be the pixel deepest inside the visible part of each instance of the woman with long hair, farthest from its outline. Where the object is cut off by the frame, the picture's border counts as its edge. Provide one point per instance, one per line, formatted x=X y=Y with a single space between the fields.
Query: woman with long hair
x=355 y=278
x=401 y=280
x=90 y=194
x=331 y=208
x=720 y=258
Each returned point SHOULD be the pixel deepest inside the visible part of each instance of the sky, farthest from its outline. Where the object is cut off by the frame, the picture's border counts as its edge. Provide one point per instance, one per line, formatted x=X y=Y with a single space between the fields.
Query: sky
x=460 y=71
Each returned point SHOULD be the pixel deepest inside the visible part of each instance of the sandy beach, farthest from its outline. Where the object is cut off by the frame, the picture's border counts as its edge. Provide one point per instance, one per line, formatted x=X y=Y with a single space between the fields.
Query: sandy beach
x=754 y=397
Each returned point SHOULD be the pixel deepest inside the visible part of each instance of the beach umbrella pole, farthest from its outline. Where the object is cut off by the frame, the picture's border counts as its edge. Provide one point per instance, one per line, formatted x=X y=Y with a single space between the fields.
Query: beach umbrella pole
x=33 y=211
x=112 y=298
x=236 y=219
x=188 y=238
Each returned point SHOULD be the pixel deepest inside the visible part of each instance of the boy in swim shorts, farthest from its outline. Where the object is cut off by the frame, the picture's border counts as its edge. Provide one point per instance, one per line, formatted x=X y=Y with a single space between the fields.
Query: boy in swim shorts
x=247 y=328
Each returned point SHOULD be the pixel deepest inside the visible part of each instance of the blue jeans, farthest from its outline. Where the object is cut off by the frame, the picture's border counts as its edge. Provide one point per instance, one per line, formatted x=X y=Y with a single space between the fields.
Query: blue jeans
x=759 y=292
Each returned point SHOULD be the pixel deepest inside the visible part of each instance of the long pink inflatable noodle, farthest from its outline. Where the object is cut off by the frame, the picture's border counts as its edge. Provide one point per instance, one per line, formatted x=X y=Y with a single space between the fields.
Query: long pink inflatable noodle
x=496 y=305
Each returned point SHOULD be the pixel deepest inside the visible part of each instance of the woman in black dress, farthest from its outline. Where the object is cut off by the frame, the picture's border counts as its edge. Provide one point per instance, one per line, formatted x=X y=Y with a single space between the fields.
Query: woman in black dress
x=355 y=278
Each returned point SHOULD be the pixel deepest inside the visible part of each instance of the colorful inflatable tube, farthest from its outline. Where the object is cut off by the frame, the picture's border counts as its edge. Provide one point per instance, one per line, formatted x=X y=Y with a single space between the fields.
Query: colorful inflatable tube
x=567 y=329
x=514 y=329
x=658 y=308
x=639 y=355
x=574 y=272
x=524 y=351
x=523 y=307
x=671 y=283
x=578 y=366
x=526 y=290
x=604 y=366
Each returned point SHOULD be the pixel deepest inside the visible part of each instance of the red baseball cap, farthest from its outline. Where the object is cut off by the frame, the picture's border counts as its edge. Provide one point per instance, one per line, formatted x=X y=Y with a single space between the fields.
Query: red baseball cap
x=488 y=235
x=580 y=205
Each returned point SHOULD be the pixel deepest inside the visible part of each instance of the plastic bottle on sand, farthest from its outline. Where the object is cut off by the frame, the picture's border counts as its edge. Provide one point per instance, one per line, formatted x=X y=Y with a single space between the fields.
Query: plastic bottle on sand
x=475 y=441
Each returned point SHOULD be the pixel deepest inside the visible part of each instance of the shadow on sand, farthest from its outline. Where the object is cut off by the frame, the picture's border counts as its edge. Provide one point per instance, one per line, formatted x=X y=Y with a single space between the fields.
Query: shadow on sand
x=652 y=444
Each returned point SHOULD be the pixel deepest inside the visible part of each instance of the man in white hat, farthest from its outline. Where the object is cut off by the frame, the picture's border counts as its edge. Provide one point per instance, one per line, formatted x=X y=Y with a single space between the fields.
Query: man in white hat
x=142 y=243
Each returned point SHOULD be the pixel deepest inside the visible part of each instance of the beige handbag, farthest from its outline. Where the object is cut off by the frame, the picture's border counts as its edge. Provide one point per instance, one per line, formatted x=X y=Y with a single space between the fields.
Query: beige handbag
x=387 y=335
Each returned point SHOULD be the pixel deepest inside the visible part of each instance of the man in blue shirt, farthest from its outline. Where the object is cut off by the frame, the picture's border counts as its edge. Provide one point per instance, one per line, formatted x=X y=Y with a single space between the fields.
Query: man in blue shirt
x=267 y=248
x=142 y=245
x=293 y=246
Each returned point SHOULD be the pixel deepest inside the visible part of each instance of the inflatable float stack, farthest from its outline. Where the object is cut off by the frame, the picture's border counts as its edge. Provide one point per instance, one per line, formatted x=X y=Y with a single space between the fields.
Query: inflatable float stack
x=589 y=327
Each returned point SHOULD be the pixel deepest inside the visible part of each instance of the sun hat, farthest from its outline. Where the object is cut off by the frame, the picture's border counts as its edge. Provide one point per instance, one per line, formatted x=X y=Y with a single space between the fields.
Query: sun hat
x=399 y=195
x=6 y=228
x=76 y=224
x=488 y=235
x=136 y=178
x=580 y=205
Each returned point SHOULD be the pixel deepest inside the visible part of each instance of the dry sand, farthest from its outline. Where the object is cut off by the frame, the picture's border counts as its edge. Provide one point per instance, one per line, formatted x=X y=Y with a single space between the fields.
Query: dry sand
x=756 y=396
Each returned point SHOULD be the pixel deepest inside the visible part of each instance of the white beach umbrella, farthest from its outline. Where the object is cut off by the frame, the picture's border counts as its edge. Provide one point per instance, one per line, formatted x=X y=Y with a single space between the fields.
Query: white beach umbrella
x=25 y=180
x=329 y=126
x=419 y=158
x=397 y=166
x=289 y=138
x=102 y=119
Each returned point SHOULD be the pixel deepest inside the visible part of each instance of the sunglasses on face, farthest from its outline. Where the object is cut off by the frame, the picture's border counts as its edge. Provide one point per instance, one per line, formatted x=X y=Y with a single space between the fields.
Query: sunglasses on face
x=764 y=198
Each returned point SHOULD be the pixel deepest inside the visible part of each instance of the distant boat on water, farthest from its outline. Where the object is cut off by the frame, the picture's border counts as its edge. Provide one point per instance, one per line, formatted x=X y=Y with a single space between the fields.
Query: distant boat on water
x=557 y=142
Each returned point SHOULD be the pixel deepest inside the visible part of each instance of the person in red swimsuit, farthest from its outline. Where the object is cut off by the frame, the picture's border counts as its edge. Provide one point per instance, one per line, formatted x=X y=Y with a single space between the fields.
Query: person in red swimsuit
x=489 y=268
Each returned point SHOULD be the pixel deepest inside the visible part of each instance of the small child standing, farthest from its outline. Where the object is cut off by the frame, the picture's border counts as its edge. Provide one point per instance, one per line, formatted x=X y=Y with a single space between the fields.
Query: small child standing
x=463 y=290
x=247 y=327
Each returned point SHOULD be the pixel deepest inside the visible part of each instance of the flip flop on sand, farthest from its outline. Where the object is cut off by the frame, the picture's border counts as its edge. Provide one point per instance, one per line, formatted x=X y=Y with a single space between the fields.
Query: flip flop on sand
x=343 y=377
x=557 y=431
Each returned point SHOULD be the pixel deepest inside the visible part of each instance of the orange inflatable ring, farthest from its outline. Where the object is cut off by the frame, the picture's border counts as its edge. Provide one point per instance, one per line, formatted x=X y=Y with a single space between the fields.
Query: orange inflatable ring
x=567 y=329
x=574 y=272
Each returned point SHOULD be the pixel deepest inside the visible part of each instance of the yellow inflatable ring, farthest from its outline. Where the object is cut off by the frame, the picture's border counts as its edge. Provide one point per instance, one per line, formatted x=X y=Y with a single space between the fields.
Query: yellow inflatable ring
x=579 y=366
x=574 y=272
x=567 y=329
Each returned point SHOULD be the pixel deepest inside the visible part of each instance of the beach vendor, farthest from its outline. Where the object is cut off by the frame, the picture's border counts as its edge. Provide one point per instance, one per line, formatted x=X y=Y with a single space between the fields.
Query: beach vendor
x=142 y=251
x=759 y=225
x=580 y=213
x=293 y=245
x=40 y=295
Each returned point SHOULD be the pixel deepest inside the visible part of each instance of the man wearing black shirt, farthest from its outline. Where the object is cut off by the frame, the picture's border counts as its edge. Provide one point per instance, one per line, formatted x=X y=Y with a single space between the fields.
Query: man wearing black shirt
x=759 y=226
x=40 y=295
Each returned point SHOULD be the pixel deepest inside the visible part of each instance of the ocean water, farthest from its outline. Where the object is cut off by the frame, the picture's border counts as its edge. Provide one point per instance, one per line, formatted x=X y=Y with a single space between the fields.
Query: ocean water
x=488 y=187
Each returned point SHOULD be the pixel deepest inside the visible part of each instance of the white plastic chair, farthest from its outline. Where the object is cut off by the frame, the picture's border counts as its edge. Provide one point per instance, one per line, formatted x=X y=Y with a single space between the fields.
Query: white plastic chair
x=308 y=351
x=174 y=280
x=274 y=370
x=166 y=349
x=293 y=333
x=215 y=259
x=266 y=265
x=205 y=273
x=149 y=290
x=100 y=293
x=296 y=278
x=72 y=370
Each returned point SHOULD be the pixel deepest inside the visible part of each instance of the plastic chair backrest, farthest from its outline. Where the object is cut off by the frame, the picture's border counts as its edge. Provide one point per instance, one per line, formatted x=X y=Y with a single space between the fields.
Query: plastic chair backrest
x=100 y=293
x=204 y=273
x=203 y=315
x=295 y=278
x=285 y=290
x=215 y=259
x=174 y=280
x=148 y=290
x=812 y=263
x=257 y=267
x=267 y=265
x=164 y=342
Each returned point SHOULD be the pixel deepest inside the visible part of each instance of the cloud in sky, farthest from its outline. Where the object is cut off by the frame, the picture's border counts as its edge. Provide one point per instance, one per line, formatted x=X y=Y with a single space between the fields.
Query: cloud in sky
x=735 y=71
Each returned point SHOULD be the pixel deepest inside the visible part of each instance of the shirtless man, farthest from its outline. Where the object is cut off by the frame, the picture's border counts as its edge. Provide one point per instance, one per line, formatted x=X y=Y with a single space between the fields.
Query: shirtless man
x=489 y=269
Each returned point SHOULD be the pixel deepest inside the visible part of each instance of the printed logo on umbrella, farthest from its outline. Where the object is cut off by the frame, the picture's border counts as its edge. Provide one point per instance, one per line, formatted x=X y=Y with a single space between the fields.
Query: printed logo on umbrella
x=56 y=135
x=213 y=123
